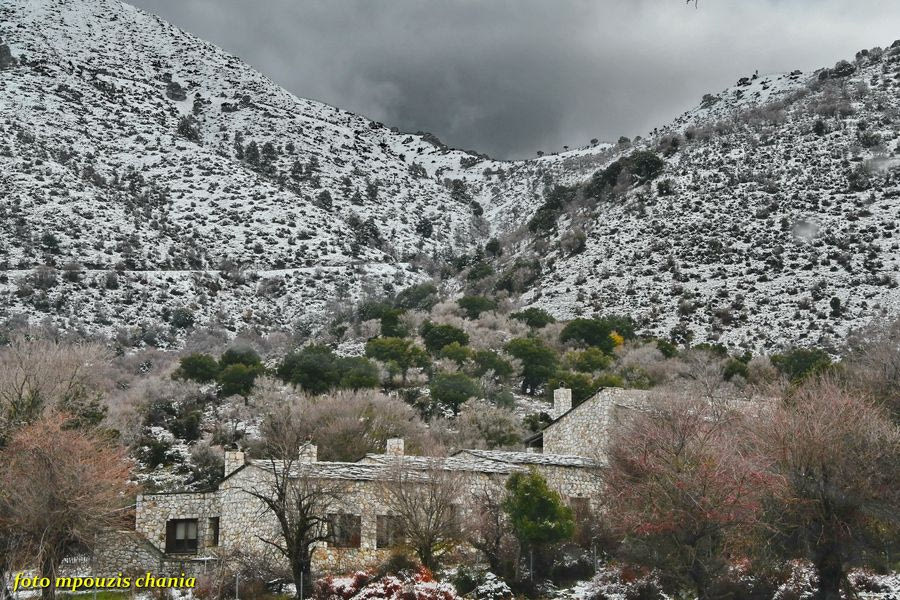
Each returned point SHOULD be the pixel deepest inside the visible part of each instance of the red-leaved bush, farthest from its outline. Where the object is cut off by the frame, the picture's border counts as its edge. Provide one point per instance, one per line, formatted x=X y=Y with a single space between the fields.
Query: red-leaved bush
x=363 y=586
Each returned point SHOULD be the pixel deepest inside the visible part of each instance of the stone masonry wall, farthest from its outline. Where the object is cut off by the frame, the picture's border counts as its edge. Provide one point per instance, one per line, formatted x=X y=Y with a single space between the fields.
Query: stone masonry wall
x=585 y=430
x=573 y=482
x=245 y=519
x=154 y=510
x=131 y=554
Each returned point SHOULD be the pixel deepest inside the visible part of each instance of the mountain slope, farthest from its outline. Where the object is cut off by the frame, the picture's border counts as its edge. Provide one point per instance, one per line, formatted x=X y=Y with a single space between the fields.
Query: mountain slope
x=119 y=151
x=150 y=180
x=776 y=224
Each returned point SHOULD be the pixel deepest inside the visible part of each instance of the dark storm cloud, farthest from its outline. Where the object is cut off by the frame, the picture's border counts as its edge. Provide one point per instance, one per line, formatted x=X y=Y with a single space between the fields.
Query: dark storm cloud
x=509 y=77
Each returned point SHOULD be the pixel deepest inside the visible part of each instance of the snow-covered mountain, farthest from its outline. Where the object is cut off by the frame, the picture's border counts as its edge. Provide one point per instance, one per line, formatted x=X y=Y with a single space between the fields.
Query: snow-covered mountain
x=153 y=171
x=776 y=222
x=146 y=175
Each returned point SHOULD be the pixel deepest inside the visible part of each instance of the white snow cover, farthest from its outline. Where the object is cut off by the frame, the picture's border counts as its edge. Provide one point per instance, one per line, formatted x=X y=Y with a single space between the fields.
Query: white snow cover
x=762 y=231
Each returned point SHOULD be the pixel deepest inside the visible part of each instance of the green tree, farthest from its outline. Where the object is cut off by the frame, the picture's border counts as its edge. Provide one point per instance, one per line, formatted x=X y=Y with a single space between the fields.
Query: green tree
x=587 y=361
x=182 y=318
x=372 y=309
x=201 y=368
x=437 y=336
x=539 y=362
x=418 y=297
x=488 y=360
x=240 y=356
x=643 y=165
x=398 y=354
x=473 y=306
x=581 y=384
x=391 y=325
x=479 y=271
x=799 y=363
x=536 y=318
x=457 y=353
x=493 y=248
x=313 y=368
x=537 y=514
x=251 y=153
x=452 y=389
x=597 y=332
x=358 y=373
x=237 y=379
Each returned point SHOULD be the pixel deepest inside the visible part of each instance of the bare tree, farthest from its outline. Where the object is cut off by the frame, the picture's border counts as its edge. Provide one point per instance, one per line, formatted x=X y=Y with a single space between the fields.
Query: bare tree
x=9 y=548
x=682 y=488
x=346 y=425
x=298 y=498
x=839 y=502
x=60 y=487
x=37 y=374
x=873 y=363
x=488 y=530
x=702 y=374
x=424 y=501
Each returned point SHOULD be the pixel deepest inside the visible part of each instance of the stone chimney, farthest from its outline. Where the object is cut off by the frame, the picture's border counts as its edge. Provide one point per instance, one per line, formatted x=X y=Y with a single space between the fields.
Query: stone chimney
x=394 y=447
x=562 y=402
x=309 y=452
x=234 y=460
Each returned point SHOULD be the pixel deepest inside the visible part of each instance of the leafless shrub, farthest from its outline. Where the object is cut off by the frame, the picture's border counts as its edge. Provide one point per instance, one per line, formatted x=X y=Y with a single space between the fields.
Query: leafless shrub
x=60 y=487
x=346 y=425
x=682 y=488
x=483 y=425
x=873 y=362
x=425 y=504
x=36 y=374
x=838 y=459
x=488 y=531
x=636 y=356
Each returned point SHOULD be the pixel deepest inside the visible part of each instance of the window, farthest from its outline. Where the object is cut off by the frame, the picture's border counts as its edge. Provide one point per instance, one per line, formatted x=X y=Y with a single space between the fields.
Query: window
x=212 y=531
x=344 y=531
x=181 y=536
x=580 y=506
x=454 y=515
x=389 y=531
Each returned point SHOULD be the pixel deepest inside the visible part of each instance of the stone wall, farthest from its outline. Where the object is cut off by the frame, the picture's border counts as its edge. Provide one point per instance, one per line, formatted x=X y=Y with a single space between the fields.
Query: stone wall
x=126 y=552
x=131 y=554
x=245 y=522
x=572 y=482
x=584 y=431
x=154 y=510
x=245 y=519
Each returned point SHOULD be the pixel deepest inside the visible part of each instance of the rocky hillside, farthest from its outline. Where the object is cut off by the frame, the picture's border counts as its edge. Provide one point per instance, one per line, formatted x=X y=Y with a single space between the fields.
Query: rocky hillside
x=151 y=182
x=151 y=171
x=772 y=218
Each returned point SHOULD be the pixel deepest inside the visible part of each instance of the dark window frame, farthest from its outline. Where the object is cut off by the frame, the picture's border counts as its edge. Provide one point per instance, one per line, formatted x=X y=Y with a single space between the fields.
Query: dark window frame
x=213 y=525
x=187 y=544
x=580 y=506
x=388 y=531
x=344 y=530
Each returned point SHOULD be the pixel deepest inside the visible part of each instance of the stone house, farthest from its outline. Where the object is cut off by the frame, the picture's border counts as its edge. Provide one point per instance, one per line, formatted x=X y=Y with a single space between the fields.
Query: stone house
x=584 y=429
x=197 y=527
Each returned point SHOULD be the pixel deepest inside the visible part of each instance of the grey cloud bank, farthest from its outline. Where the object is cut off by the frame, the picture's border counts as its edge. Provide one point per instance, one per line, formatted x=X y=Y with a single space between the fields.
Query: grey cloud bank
x=510 y=77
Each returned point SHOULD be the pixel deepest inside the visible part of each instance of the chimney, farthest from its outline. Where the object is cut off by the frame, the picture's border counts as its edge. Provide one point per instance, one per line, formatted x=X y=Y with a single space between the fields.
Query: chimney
x=394 y=447
x=562 y=402
x=234 y=460
x=309 y=453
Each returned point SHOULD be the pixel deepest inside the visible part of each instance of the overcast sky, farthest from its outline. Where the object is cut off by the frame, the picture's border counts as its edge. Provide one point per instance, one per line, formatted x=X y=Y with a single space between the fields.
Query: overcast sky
x=510 y=77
